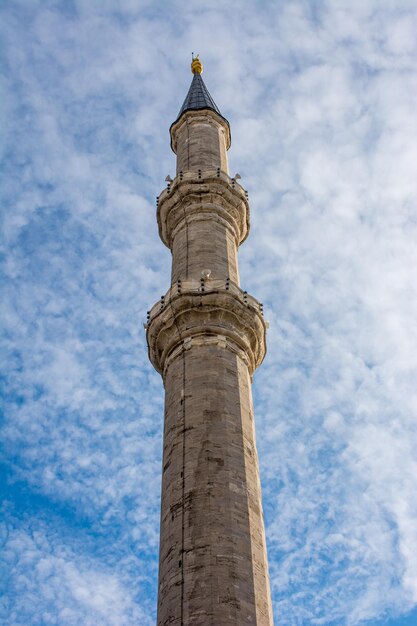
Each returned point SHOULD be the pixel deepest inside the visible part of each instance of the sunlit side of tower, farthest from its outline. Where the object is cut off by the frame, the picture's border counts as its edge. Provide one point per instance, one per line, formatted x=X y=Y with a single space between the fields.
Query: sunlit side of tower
x=206 y=337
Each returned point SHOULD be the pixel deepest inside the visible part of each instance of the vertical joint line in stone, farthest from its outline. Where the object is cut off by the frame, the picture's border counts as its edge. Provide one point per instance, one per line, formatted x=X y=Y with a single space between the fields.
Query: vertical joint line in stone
x=186 y=243
x=183 y=489
x=188 y=144
x=182 y=470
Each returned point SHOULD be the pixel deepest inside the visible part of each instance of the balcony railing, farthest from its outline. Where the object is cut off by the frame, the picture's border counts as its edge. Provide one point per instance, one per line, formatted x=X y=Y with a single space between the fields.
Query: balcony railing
x=201 y=176
x=203 y=286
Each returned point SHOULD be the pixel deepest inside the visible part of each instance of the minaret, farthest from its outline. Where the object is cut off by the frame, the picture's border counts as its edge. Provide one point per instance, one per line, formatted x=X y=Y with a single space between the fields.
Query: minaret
x=206 y=337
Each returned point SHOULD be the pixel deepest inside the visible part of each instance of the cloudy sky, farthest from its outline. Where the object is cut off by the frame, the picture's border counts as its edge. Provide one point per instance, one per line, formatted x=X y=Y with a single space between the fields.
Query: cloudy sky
x=321 y=98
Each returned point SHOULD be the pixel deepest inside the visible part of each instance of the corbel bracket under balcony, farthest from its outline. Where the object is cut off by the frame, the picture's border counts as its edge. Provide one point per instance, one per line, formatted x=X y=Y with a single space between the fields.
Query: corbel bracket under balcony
x=194 y=313
x=201 y=195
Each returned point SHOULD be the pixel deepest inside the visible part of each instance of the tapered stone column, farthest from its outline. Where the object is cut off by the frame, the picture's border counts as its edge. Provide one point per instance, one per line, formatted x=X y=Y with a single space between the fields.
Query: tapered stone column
x=206 y=337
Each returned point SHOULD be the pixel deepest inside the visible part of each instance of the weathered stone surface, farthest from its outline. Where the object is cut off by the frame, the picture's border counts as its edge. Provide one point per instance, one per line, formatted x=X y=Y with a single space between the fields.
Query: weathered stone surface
x=206 y=336
x=213 y=567
x=200 y=140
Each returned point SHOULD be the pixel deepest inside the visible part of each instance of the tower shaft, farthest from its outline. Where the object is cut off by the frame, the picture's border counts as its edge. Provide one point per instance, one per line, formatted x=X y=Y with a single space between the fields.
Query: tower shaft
x=206 y=337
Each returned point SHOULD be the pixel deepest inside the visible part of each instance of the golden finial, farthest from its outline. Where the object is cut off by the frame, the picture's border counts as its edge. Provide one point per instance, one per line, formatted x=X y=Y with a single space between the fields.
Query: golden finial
x=196 y=65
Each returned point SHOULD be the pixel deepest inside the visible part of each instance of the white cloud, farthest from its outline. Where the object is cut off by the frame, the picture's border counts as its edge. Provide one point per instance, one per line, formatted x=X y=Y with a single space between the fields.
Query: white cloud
x=52 y=585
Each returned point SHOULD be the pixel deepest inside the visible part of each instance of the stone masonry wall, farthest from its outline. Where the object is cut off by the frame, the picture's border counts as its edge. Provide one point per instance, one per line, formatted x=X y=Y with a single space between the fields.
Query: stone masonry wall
x=212 y=556
x=201 y=143
x=204 y=244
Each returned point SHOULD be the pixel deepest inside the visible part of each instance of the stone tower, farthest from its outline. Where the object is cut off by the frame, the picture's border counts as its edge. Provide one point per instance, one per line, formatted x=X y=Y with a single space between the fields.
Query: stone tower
x=206 y=337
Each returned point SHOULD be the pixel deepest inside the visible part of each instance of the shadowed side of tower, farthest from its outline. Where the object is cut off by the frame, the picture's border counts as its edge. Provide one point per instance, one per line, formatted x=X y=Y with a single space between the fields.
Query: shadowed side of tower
x=206 y=337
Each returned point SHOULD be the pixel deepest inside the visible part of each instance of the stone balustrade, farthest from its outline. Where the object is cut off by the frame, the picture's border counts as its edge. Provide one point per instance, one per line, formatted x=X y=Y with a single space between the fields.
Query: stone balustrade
x=203 y=286
x=202 y=176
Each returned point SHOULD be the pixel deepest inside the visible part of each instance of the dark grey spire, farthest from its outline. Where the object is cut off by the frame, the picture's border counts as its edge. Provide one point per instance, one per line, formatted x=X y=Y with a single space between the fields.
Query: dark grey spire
x=198 y=97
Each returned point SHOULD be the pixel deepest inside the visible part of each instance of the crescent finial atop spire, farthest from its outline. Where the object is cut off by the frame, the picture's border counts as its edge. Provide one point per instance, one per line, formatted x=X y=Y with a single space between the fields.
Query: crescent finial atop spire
x=196 y=65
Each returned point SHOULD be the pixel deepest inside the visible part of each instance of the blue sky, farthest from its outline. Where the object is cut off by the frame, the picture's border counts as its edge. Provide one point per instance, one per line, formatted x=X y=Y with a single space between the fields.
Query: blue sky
x=321 y=101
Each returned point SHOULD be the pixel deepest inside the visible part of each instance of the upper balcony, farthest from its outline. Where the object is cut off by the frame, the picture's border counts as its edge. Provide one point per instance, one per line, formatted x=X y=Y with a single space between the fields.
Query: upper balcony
x=202 y=176
x=204 y=192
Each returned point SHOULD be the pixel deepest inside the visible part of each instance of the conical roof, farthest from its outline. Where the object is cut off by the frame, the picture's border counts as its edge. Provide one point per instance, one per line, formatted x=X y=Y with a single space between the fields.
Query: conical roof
x=198 y=97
